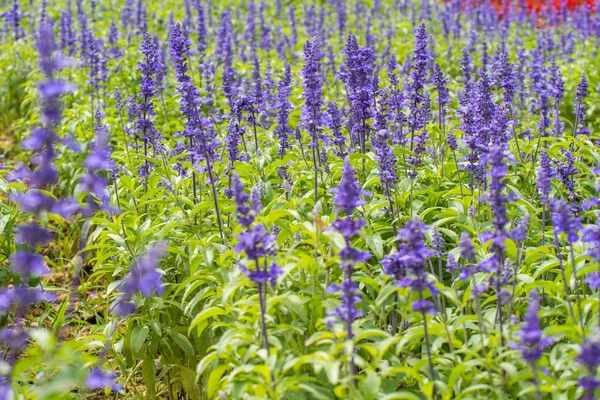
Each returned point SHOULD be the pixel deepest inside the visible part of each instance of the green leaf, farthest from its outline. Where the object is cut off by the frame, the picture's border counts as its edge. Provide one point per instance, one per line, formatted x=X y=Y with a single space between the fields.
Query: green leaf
x=371 y=386
x=149 y=376
x=188 y=380
x=184 y=343
x=138 y=338
x=205 y=314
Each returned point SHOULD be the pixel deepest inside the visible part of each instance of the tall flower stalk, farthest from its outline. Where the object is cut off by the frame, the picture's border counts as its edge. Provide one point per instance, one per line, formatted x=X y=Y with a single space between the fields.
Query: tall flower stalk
x=313 y=101
x=347 y=198
x=26 y=262
x=414 y=254
x=198 y=130
x=563 y=221
x=532 y=340
x=256 y=243
x=148 y=66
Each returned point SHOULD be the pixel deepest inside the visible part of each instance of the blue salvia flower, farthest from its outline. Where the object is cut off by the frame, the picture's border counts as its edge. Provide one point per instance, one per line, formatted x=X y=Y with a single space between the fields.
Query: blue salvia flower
x=201 y=30
x=580 y=94
x=232 y=143
x=141 y=17
x=386 y=161
x=66 y=31
x=97 y=163
x=419 y=102
x=545 y=175
x=564 y=221
x=357 y=73
x=589 y=357
x=257 y=244
x=15 y=20
x=348 y=198
x=467 y=250
x=99 y=379
x=519 y=233
x=582 y=88
x=532 y=340
x=558 y=91
x=591 y=235
x=25 y=261
x=127 y=14
x=348 y=193
x=505 y=78
x=311 y=115
x=148 y=67
x=440 y=86
x=566 y=172
x=144 y=278
x=224 y=36
x=335 y=122
x=114 y=51
x=283 y=130
x=415 y=254
x=496 y=198
x=467 y=72
x=313 y=91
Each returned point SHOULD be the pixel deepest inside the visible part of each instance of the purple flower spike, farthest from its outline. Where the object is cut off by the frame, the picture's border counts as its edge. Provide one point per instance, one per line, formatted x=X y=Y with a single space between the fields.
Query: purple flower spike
x=348 y=193
x=144 y=278
x=532 y=340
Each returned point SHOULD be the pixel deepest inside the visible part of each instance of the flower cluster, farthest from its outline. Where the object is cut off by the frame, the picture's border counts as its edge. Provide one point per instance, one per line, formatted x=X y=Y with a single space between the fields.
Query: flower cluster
x=347 y=198
x=144 y=278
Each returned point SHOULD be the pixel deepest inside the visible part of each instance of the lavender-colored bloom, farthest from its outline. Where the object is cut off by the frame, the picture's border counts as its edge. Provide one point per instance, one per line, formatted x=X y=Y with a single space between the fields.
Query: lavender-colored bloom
x=245 y=216
x=479 y=289
x=519 y=233
x=466 y=68
x=28 y=264
x=566 y=172
x=114 y=51
x=260 y=276
x=440 y=86
x=148 y=66
x=255 y=242
x=496 y=197
x=582 y=88
x=589 y=357
x=144 y=278
x=334 y=122
x=532 y=340
x=545 y=175
x=313 y=92
x=348 y=193
x=452 y=264
x=356 y=73
x=394 y=265
x=198 y=129
x=232 y=142
x=15 y=15
x=98 y=379
x=33 y=235
x=564 y=221
x=505 y=77
x=283 y=130
x=419 y=102
x=386 y=161
x=415 y=254
x=201 y=29
x=467 y=250
x=591 y=235
x=347 y=198
x=97 y=163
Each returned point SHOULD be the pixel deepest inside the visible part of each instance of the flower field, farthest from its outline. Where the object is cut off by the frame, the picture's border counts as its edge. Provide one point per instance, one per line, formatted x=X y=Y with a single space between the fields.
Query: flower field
x=278 y=199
